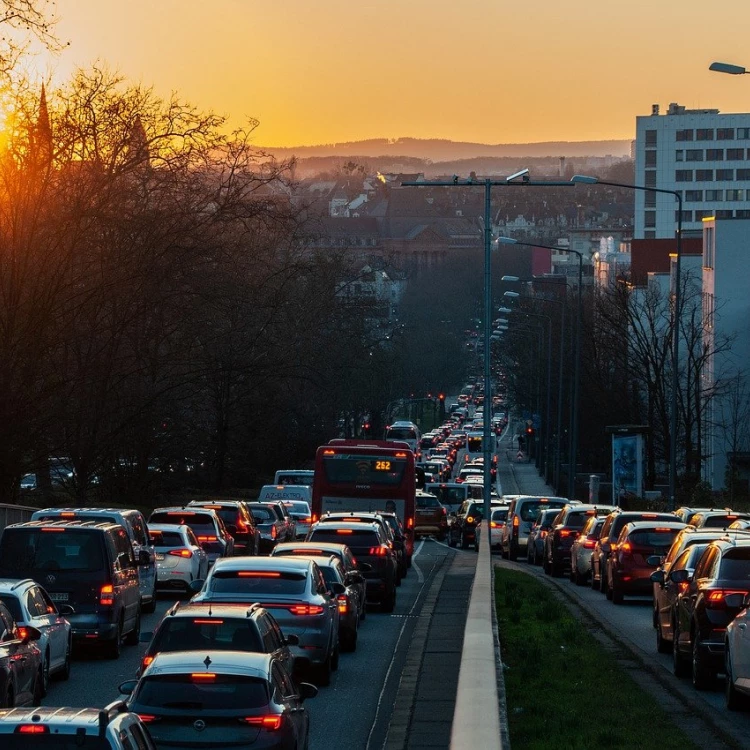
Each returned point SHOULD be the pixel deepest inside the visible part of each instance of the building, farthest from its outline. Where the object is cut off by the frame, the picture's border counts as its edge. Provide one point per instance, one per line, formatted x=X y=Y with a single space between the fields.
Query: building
x=702 y=154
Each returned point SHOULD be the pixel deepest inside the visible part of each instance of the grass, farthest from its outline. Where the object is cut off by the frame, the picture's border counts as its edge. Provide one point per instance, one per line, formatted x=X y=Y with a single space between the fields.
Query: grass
x=563 y=689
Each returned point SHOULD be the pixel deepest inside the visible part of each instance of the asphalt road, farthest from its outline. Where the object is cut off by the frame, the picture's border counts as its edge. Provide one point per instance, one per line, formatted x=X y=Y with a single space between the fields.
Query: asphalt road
x=353 y=711
x=631 y=623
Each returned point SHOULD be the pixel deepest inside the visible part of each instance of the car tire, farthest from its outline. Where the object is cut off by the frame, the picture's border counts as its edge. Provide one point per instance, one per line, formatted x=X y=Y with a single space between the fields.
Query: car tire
x=349 y=641
x=112 y=648
x=335 y=657
x=579 y=580
x=363 y=612
x=36 y=699
x=64 y=673
x=654 y=616
x=663 y=646
x=512 y=554
x=734 y=700
x=133 y=638
x=603 y=584
x=618 y=597
x=679 y=664
x=451 y=540
x=702 y=675
x=594 y=581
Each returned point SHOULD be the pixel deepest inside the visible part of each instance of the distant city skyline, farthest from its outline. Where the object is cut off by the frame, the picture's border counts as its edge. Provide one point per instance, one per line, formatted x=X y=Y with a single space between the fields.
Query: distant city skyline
x=484 y=71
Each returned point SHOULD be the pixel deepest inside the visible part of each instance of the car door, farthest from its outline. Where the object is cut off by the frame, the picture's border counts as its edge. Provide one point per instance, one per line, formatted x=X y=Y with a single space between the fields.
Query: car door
x=287 y=694
x=141 y=542
x=127 y=587
x=273 y=640
x=23 y=666
x=740 y=646
x=45 y=618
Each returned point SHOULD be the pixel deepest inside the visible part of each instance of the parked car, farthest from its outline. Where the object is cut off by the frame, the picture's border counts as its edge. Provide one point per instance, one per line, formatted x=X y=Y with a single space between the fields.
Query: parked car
x=582 y=548
x=180 y=558
x=21 y=677
x=30 y=606
x=537 y=534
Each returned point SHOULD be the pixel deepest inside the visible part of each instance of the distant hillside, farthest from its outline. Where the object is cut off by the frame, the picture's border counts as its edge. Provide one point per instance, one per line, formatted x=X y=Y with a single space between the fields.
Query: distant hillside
x=434 y=149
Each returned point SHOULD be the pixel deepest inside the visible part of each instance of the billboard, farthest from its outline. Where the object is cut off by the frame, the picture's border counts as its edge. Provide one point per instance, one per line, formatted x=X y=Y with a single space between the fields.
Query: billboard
x=627 y=467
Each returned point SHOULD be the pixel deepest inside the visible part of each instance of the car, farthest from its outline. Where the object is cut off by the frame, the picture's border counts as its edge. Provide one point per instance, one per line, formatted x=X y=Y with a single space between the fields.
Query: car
x=294 y=591
x=180 y=558
x=369 y=544
x=221 y=699
x=737 y=660
x=498 y=518
x=302 y=477
x=30 y=606
x=685 y=513
x=521 y=516
x=300 y=511
x=134 y=522
x=613 y=525
x=271 y=527
x=288 y=530
x=716 y=519
x=581 y=549
x=431 y=518
x=636 y=554
x=110 y=728
x=463 y=530
x=537 y=534
x=188 y=626
x=714 y=595
x=401 y=543
x=565 y=527
x=21 y=670
x=238 y=522
x=206 y=524
x=352 y=569
x=88 y=565
x=450 y=494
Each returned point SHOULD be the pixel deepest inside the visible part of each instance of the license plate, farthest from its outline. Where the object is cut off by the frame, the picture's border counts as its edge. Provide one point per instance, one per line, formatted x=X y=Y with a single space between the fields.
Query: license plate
x=58 y=597
x=159 y=557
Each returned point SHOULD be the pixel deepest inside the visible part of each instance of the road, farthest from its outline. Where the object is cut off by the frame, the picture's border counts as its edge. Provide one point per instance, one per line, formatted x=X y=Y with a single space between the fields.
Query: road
x=631 y=623
x=362 y=691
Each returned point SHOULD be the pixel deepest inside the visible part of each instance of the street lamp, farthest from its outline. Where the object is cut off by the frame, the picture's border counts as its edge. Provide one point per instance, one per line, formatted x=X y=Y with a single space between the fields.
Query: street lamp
x=722 y=67
x=573 y=442
x=586 y=180
x=511 y=295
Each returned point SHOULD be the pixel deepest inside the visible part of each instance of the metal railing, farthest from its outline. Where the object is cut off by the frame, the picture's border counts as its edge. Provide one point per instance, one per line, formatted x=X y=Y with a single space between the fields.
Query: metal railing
x=14 y=514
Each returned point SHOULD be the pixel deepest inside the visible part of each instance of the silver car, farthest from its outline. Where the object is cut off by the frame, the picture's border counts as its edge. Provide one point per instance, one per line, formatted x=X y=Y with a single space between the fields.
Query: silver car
x=582 y=549
x=294 y=590
x=300 y=511
x=180 y=559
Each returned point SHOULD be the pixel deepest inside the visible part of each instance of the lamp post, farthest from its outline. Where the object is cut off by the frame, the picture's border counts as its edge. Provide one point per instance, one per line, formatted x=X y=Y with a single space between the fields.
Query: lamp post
x=676 y=315
x=573 y=437
x=722 y=67
x=488 y=184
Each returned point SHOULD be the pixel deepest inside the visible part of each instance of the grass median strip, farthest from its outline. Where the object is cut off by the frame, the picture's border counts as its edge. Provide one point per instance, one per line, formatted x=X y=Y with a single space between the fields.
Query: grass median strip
x=563 y=688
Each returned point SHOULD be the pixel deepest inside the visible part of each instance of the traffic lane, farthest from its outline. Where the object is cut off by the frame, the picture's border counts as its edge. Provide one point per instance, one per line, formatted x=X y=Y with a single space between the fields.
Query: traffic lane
x=631 y=622
x=363 y=688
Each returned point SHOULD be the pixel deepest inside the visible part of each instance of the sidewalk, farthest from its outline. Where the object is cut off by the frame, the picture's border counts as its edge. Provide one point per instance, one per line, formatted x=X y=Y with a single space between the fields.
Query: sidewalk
x=518 y=477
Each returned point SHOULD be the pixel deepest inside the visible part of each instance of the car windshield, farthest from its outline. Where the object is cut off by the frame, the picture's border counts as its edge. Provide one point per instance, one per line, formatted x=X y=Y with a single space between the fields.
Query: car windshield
x=12 y=603
x=260 y=583
x=499 y=515
x=166 y=538
x=401 y=433
x=50 y=549
x=195 y=692
x=206 y=633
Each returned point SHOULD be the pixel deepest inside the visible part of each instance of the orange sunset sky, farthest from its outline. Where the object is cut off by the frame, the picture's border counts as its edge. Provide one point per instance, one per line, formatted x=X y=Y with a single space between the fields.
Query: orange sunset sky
x=480 y=70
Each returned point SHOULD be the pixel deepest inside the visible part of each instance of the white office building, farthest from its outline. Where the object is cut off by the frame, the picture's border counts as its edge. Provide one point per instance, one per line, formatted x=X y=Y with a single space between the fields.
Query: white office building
x=702 y=154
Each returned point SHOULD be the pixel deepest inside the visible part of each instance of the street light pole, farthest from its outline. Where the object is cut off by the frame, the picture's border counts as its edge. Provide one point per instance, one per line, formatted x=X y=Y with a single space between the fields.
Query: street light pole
x=676 y=316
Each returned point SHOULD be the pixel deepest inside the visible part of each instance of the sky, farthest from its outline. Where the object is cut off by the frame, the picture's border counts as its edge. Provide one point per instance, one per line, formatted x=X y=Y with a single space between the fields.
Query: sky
x=490 y=71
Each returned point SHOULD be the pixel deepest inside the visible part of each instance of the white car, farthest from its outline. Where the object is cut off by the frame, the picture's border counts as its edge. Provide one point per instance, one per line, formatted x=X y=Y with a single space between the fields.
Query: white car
x=737 y=659
x=499 y=515
x=31 y=605
x=180 y=558
x=300 y=511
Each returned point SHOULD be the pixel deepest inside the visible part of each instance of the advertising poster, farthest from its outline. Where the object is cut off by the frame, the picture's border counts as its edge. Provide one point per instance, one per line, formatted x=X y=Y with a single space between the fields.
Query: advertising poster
x=627 y=467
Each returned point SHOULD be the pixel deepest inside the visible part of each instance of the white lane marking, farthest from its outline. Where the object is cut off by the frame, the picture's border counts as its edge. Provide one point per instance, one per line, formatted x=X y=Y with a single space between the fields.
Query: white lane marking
x=418 y=550
x=395 y=651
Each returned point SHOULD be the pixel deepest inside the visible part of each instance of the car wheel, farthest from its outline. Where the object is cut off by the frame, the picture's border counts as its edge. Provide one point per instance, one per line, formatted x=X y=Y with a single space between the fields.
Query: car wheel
x=702 y=673
x=608 y=591
x=133 y=638
x=363 y=611
x=512 y=554
x=451 y=540
x=603 y=587
x=654 y=616
x=323 y=672
x=663 y=646
x=113 y=647
x=572 y=574
x=617 y=594
x=389 y=602
x=594 y=581
x=679 y=664
x=735 y=701
x=36 y=700
x=64 y=673
x=349 y=641
x=335 y=658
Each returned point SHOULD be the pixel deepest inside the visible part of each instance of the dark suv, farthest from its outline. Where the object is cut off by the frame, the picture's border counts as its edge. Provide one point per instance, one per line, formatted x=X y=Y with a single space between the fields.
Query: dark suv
x=463 y=531
x=220 y=627
x=714 y=596
x=90 y=566
x=239 y=523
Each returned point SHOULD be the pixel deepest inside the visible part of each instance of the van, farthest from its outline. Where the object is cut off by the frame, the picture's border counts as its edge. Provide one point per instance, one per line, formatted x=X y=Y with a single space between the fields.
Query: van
x=282 y=493
x=87 y=565
x=521 y=516
x=450 y=494
x=134 y=522
x=406 y=432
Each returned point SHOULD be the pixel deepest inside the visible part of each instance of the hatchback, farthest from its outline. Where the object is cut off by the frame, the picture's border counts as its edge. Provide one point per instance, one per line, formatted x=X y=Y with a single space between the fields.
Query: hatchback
x=270 y=526
x=21 y=677
x=580 y=552
x=180 y=558
x=498 y=519
x=221 y=699
x=522 y=514
x=300 y=511
x=463 y=530
x=238 y=522
x=207 y=526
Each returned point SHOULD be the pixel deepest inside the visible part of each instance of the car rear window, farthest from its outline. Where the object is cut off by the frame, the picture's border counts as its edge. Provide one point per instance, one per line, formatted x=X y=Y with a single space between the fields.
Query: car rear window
x=577 y=519
x=263 y=515
x=735 y=564
x=257 y=582
x=190 y=692
x=207 y=633
x=298 y=508
x=653 y=538
x=13 y=605
x=352 y=537
x=200 y=523
x=427 y=501
x=530 y=510
x=166 y=539
x=500 y=515
x=718 y=522
x=50 y=549
x=68 y=515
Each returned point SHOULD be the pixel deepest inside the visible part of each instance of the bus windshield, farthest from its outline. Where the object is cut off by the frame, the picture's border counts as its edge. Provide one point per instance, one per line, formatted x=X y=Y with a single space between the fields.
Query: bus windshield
x=359 y=469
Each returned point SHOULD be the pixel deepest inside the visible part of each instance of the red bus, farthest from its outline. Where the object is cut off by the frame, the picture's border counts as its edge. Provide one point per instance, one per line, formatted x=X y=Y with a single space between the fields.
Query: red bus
x=366 y=476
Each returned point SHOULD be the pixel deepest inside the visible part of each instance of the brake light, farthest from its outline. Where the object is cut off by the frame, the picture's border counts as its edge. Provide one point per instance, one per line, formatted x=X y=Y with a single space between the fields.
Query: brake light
x=180 y=552
x=409 y=523
x=649 y=515
x=343 y=604
x=379 y=551
x=543 y=533
x=307 y=520
x=718 y=599
x=208 y=539
x=315 y=517
x=400 y=454
x=146 y=661
x=274 y=533
x=258 y=574
x=147 y=718
x=241 y=525
x=589 y=543
x=22 y=632
x=203 y=676
x=344 y=531
x=208 y=622
x=565 y=532
x=329 y=452
x=107 y=595
x=51 y=528
x=266 y=722
x=32 y=729
x=67 y=514
x=306 y=609
x=625 y=547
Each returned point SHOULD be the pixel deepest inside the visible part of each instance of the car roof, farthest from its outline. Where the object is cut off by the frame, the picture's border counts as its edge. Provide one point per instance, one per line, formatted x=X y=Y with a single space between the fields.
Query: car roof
x=73 y=523
x=85 y=509
x=168 y=527
x=246 y=663
x=210 y=609
x=320 y=560
x=282 y=563
x=636 y=525
x=67 y=720
x=219 y=503
x=15 y=585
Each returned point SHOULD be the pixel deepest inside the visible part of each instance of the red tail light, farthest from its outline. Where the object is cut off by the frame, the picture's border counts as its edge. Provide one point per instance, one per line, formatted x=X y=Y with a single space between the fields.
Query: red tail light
x=307 y=520
x=208 y=539
x=379 y=551
x=315 y=517
x=306 y=609
x=565 y=532
x=343 y=604
x=107 y=595
x=146 y=661
x=444 y=511
x=203 y=676
x=22 y=632
x=147 y=718
x=32 y=729
x=266 y=722
x=409 y=523
x=589 y=543
x=241 y=525
x=718 y=599
x=542 y=533
x=625 y=547
x=273 y=532
x=180 y=552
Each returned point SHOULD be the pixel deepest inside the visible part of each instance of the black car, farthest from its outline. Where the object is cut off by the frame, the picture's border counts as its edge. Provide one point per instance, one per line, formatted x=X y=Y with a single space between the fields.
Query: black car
x=220 y=627
x=463 y=531
x=88 y=565
x=713 y=597
x=239 y=523
x=21 y=677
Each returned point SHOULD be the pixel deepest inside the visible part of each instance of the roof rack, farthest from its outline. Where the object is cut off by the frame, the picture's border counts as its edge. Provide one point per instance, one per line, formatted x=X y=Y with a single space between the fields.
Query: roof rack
x=106 y=715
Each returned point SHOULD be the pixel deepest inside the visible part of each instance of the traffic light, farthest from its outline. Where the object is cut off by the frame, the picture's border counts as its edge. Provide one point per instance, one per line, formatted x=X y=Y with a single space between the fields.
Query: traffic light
x=441 y=403
x=529 y=431
x=365 y=429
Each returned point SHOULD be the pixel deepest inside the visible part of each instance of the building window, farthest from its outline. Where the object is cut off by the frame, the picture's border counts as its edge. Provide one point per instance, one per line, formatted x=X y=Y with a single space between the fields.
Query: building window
x=724 y=134
x=686 y=135
x=686 y=216
x=735 y=195
x=686 y=175
x=743 y=134
x=693 y=196
x=724 y=175
x=649 y=178
x=649 y=219
x=714 y=154
x=724 y=213
x=650 y=139
x=704 y=175
x=704 y=134
x=679 y=155
x=699 y=215
x=743 y=174
x=714 y=195
x=735 y=154
x=694 y=154
x=742 y=213
x=649 y=235
x=650 y=158
x=650 y=200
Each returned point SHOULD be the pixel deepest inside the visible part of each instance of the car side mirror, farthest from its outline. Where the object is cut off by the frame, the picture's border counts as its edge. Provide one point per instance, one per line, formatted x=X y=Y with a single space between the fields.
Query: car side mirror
x=127 y=687
x=657 y=577
x=144 y=558
x=364 y=567
x=65 y=609
x=196 y=585
x=653 y=560
x=679 y=576
x=306 y=690
x=338 y=588
x=291 y=640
